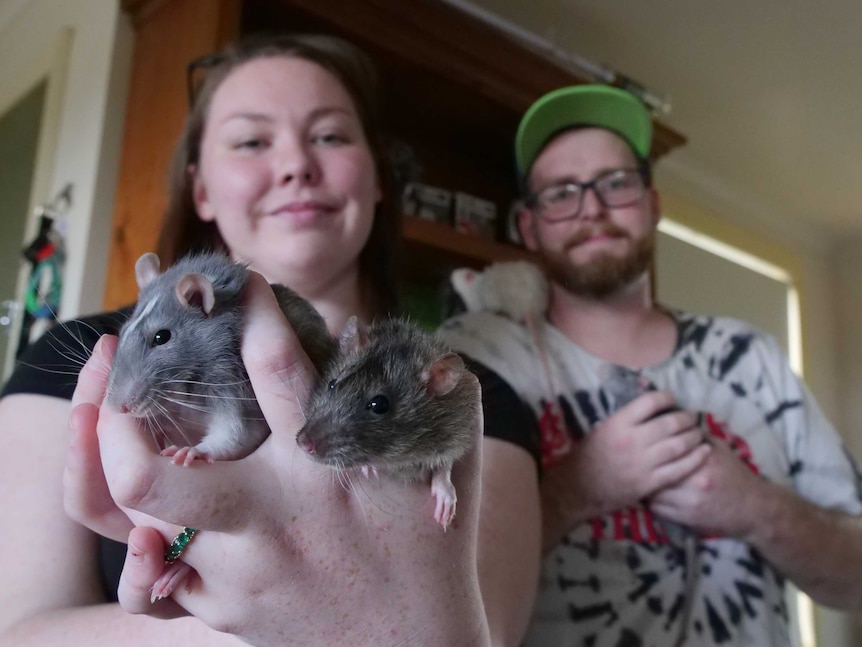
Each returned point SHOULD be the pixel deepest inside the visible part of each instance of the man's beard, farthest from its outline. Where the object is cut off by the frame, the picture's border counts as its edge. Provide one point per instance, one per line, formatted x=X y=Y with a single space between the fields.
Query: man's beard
x=603 y=275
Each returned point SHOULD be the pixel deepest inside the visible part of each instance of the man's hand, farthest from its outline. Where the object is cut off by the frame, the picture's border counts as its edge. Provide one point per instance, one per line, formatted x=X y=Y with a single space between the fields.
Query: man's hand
x=634 y=453
x=718 y=498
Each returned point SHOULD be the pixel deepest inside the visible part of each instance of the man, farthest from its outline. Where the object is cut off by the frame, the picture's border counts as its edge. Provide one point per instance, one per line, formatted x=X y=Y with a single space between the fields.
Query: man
x=675 y=518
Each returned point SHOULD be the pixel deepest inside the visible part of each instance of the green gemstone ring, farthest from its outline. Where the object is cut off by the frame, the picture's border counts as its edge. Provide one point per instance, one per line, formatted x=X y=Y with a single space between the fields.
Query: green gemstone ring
x=179 y=544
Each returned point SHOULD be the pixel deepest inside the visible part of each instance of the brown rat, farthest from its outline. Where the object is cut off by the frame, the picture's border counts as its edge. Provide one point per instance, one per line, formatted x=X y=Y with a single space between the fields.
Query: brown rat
x=390 y=402
x=178 y=365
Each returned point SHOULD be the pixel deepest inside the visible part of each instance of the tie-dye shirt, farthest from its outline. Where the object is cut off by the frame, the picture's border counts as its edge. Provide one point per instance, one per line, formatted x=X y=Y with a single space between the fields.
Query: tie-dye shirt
x=627 y=579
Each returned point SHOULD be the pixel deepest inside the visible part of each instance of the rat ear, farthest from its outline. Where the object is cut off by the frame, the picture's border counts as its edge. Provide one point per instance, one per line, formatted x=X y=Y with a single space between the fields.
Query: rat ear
x=353 y=336
x=644 y=383
x=196 y=290
x=465 y=282
x=146 y=269
x=441 y=376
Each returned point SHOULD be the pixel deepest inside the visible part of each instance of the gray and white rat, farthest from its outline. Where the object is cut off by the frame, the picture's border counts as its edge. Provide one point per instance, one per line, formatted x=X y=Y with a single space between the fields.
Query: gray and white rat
x=178 y=366
x=390 y=402
x=622 y=385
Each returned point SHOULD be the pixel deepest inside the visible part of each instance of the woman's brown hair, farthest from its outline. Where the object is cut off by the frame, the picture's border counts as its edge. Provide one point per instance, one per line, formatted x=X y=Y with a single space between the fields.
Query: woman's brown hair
x=182 y=232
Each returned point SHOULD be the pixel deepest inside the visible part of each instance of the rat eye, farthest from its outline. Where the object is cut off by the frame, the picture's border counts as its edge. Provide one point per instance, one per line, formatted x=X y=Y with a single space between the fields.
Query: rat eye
x=332 y=384
x=378 y=404
x=161 y=337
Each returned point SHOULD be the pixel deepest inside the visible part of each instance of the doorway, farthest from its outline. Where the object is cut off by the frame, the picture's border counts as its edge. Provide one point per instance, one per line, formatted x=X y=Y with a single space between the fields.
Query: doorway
x=20 y=127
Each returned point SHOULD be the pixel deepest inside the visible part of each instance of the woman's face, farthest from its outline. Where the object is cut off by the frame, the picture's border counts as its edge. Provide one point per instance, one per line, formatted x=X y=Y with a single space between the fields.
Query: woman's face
x=286 y=173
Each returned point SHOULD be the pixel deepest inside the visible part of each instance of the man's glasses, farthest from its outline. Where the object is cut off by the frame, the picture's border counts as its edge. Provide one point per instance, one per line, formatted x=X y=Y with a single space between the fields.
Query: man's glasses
x=617 y=188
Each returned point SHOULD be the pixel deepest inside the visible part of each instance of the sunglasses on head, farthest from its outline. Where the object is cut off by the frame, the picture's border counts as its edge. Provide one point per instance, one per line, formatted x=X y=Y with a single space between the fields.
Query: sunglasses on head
x=196 y=71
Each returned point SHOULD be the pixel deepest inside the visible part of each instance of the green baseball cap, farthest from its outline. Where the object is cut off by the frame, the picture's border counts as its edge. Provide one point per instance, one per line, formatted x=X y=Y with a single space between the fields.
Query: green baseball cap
x=602 y=106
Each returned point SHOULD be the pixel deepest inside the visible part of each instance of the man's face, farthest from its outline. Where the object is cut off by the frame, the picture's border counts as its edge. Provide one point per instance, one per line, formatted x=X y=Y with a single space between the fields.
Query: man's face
x=602 y=249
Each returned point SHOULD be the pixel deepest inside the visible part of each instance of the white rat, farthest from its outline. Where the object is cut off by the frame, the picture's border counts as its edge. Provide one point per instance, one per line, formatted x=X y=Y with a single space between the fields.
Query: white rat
x=518 y=289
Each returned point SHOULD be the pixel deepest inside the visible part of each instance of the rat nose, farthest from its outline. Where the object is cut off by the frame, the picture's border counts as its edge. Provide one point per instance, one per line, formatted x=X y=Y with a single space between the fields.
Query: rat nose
x=303 y=440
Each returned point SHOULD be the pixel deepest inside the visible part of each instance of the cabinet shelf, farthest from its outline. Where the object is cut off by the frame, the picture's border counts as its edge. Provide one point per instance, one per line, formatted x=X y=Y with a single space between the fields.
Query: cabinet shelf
x=453 y=247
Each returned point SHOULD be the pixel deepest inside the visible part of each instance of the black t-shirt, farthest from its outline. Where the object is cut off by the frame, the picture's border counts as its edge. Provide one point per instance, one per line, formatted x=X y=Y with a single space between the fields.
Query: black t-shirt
x=505 y=415
x=50 y=367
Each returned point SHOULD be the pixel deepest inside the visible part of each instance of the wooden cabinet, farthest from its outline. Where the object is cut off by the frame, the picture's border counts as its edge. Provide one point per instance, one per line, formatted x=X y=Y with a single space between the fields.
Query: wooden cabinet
x=454 y=90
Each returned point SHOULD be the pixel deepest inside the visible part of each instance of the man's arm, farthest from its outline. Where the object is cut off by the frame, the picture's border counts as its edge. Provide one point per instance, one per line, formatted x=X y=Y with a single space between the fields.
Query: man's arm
x=820 y=550
x=564 y=504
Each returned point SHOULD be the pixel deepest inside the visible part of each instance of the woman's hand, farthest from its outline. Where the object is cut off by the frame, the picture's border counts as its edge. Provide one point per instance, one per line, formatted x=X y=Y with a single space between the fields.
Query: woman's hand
x=86 y=496
x=285 y=553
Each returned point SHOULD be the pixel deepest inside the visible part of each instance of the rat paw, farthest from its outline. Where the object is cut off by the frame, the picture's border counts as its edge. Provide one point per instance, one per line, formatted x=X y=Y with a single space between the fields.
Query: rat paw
x=368 y=470
x=185 y=455
x=443 y=490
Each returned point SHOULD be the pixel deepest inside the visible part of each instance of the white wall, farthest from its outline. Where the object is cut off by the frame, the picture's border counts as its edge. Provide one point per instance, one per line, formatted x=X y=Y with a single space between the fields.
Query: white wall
x=849 y=300
x=94 y=67
x=848 y=261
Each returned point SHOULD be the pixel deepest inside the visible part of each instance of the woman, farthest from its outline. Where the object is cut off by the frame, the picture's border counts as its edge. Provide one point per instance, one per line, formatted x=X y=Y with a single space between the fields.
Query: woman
x=279 y=166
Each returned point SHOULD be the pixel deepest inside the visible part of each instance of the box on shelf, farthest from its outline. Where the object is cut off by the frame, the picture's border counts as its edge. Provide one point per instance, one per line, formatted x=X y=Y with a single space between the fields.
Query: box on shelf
x=427 y=202
x=475 y=216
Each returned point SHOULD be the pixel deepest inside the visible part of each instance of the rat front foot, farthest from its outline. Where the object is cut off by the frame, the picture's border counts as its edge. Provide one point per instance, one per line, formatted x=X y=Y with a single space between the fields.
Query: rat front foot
x=443 y=490
x=169 y=580
x=185 y=455
x=367 y=471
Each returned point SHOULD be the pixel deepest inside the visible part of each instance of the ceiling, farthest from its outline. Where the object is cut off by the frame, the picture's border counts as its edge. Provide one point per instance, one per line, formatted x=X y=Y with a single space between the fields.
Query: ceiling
x=768 y=93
